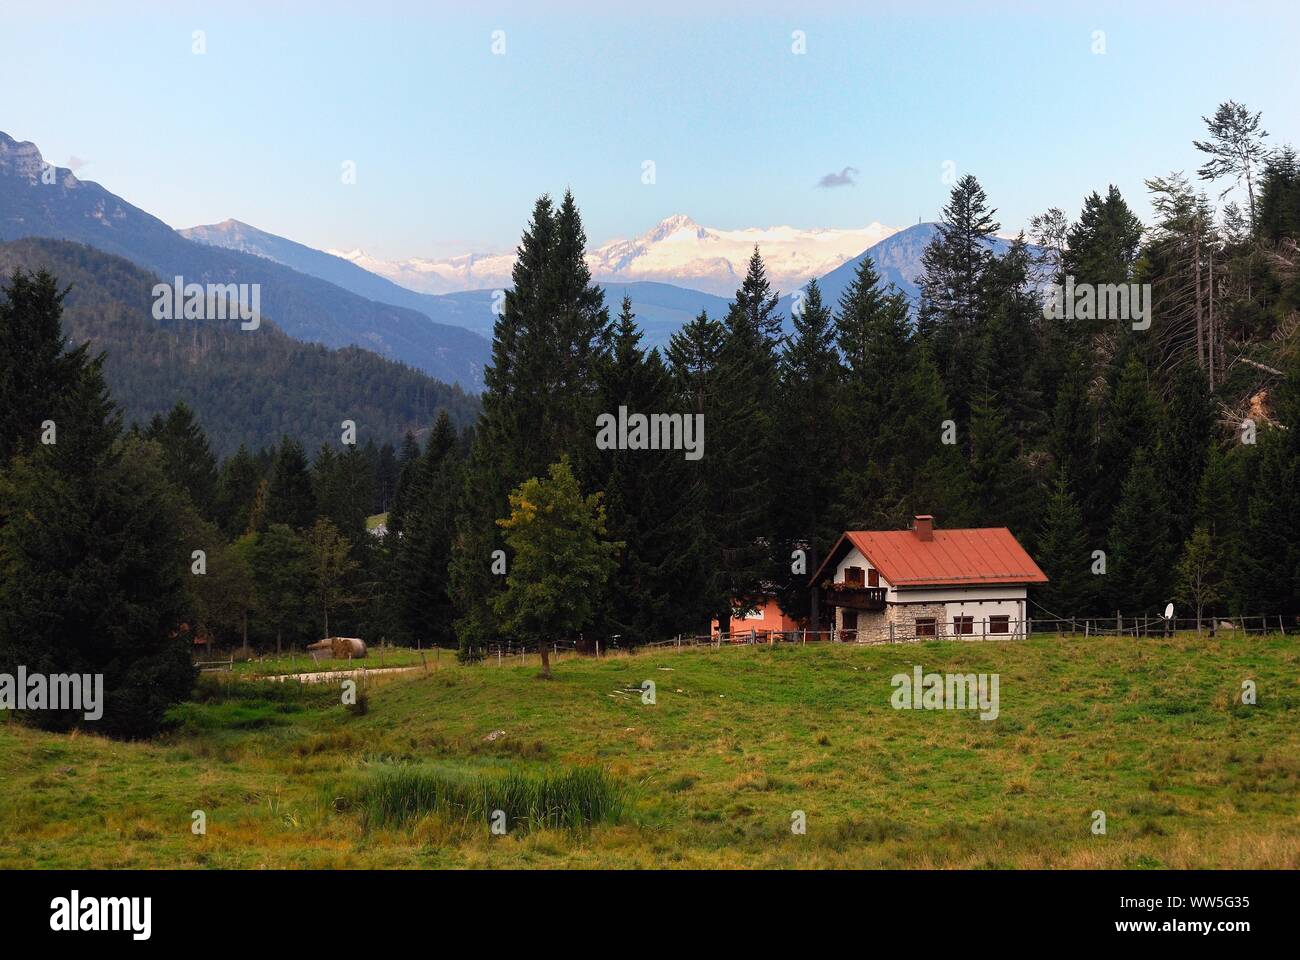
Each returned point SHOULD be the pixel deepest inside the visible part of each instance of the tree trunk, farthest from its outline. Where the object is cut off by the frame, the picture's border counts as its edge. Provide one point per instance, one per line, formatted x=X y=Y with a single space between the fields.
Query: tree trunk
x=277 y=639
x=1200 y=322
x=815 y=612
x=546 y=659
x=1210 y=297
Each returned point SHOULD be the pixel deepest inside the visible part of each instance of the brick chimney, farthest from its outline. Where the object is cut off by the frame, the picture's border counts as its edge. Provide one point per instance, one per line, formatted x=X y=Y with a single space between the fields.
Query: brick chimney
x=923 y=526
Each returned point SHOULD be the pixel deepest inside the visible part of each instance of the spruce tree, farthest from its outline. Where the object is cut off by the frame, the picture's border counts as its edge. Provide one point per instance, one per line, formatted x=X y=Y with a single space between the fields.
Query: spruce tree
x=407 y=469
x=344 y=488
x=90 y=546
x=1131 y=421
x=1272 y=528
x=290 y=499
x=934 y=474
x=236 y=490
x=281 y=565
x=654 y=505
x=811 y=439
x=187 y=456
x=693 y=353
x=1065 y=555
x=420 y=592
x=1188 y=419
x=874 y=338
x=539 y=398
x=693 y=356
x=740 y=428
x=953 y=300
x=386 y=473
x=1004 y=490
x=35 y=369
x=1140 y=559
x=1102 y=246
x=1007 y=347
x=1072 y=437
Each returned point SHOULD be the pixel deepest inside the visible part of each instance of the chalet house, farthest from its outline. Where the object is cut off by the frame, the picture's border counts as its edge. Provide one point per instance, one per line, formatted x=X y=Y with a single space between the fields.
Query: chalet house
x=879 y=585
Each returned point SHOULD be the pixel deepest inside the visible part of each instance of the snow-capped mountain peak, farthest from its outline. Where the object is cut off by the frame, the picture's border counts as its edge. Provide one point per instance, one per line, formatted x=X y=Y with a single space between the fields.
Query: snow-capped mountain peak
x=676 y=250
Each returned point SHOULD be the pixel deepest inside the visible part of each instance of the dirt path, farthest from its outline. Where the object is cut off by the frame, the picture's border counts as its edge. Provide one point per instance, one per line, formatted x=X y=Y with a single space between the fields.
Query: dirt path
x=324 y=676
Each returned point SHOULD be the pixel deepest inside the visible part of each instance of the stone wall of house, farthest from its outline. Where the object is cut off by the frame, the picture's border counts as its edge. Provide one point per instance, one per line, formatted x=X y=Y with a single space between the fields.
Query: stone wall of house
x=904 y=616
x=873 y=626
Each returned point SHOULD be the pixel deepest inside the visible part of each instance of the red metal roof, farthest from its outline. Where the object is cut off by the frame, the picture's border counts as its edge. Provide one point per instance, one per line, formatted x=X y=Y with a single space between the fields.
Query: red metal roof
x=952 y=558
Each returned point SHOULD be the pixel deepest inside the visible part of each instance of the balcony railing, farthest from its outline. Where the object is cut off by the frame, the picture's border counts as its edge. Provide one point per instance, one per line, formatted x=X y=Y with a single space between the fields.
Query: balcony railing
x=853 y=596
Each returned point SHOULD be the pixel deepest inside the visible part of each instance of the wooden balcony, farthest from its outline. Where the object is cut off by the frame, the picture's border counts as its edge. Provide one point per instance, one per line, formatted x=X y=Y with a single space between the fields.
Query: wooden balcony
x=852 y=596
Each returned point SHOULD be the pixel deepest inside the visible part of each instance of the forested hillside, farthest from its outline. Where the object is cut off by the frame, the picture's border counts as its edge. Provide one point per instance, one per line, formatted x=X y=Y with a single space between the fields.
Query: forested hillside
x=1144 y=448
x=246 y=387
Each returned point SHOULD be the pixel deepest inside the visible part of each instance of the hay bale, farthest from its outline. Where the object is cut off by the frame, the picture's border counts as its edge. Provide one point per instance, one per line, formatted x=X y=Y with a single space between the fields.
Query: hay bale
x=341 y=648
x=345 y=647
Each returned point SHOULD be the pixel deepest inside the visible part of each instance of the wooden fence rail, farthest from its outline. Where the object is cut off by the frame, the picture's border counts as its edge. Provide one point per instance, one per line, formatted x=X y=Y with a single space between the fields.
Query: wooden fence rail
x=506 y=653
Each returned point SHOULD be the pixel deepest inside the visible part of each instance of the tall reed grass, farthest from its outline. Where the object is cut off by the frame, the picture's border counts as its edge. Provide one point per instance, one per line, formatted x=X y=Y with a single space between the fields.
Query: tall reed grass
x=573 y=800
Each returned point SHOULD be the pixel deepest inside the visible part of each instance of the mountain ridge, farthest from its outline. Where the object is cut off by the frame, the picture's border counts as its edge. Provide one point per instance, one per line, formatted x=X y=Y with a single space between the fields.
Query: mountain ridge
x=677 y=250
x=245 y=386
x=43 y=200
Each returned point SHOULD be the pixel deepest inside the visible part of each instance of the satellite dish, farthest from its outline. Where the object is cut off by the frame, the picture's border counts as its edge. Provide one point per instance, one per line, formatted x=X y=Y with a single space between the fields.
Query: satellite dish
x=1169 y=611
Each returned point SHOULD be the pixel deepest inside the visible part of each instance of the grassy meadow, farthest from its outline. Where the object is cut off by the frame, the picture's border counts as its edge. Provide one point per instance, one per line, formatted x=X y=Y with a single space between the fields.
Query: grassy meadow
x=1150 y=732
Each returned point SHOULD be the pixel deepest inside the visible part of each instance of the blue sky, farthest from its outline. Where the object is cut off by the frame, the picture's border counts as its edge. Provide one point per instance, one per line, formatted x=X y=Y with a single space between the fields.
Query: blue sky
x=452 y=143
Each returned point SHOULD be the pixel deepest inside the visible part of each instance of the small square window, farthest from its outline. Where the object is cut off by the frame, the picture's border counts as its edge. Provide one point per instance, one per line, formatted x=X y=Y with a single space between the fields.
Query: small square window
x=963 y=624
x=853 y=575
x=1001 y=624
x=925 y=626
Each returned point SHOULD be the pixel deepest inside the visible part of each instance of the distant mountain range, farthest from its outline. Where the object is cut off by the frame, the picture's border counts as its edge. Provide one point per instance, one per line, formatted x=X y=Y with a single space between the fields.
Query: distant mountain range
x=39 y=200
x=420 y=311
x=661 y=308
x=677 y=250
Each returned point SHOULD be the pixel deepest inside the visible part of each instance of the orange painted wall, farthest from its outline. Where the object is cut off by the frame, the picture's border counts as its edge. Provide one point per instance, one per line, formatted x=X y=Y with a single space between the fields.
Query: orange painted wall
x=772 y=619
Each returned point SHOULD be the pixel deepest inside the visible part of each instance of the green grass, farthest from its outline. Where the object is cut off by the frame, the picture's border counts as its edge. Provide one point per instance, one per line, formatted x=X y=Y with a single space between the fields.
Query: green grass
x=1151 y=732
x=302 y=662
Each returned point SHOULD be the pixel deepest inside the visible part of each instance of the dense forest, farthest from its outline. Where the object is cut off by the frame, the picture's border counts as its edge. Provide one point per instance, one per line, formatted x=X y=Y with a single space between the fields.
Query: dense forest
x=245 y=386
x=1167 y=450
